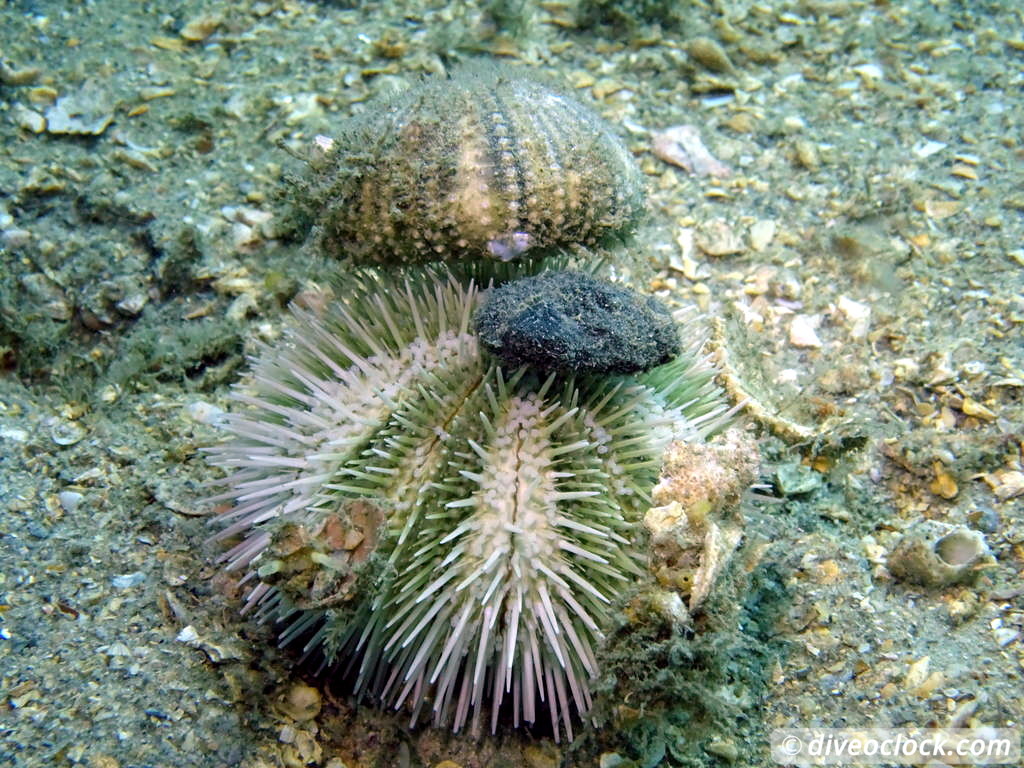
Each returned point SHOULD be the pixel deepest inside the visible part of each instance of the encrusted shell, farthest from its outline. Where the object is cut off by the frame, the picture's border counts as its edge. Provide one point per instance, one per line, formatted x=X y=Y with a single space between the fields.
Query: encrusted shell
x=483 y=164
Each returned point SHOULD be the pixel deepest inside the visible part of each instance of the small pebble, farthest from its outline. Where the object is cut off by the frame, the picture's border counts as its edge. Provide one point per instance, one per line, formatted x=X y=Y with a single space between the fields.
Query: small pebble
x=28 y=119
x=301 y=703
x=15 y=238
x=205 y=413
x=802 y=333
x=761 y=234
x=70 y=500
x=127 y=580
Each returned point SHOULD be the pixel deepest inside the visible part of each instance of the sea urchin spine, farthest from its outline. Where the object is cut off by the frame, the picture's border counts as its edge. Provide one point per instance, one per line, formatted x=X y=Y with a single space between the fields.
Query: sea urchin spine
x=451 y=534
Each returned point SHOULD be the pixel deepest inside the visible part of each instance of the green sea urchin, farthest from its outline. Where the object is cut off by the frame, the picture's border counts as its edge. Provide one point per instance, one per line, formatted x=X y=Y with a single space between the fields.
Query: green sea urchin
x=452 y=534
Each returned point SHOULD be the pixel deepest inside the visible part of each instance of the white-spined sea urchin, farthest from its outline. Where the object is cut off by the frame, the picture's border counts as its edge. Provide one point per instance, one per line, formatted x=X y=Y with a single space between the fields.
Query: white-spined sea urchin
x=451 y=534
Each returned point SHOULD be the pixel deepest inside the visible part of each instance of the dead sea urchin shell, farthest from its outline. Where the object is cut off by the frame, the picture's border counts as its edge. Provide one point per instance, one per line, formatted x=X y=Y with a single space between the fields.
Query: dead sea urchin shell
x=482 y=164
x=451 y=536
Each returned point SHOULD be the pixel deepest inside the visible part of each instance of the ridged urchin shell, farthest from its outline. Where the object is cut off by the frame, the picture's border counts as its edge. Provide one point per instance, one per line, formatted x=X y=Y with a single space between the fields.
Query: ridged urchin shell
x=450 y=535
x=482 y=164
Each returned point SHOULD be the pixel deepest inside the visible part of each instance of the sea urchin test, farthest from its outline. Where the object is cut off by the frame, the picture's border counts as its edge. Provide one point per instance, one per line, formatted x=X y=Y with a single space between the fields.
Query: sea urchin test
x=452 y=537
x=484 y=164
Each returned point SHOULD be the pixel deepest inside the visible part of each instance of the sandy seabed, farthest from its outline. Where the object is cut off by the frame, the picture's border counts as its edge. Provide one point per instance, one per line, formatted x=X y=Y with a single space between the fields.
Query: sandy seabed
x=856 y=228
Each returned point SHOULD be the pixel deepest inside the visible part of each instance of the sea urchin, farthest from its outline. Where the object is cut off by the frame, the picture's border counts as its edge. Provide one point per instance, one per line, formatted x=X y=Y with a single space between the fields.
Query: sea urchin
x=486 y=163
x=450 y=535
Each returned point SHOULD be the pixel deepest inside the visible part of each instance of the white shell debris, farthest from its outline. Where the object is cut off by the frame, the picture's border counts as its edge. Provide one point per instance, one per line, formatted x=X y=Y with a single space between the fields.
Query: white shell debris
x=803 y=333
x=69 y=500
x=684 y=259
x=249 y=226
x=718 y=237
x=14 y=434
x=15 y=238
x=28 y=119
x=928 y=148
x=869 y=72
x=681 y=145
x=762 y=232
x=856 y=315
x=793 y=124
x=128 y=580
x=86 y=112
x=299 y=107
x=66 y=433
x=697 y=524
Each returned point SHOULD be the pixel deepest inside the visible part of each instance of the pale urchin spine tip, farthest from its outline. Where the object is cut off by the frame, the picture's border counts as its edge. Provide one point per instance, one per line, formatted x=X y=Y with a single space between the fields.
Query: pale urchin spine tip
x=451 y=536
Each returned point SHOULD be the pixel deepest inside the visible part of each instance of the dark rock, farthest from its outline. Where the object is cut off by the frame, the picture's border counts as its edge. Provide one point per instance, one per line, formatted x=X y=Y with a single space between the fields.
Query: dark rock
x=574 y=323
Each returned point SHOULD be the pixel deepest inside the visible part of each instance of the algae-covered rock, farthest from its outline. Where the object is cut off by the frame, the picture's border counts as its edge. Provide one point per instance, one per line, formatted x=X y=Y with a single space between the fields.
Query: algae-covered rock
x=571 y=322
